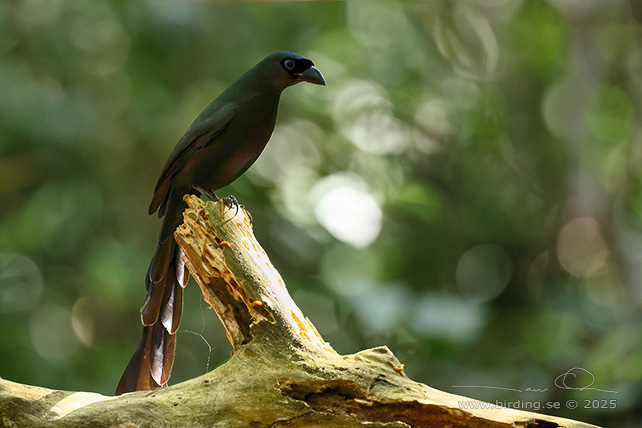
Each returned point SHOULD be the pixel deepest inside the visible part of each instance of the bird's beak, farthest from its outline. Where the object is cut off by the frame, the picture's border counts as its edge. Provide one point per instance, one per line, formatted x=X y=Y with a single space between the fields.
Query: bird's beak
x=312 y=75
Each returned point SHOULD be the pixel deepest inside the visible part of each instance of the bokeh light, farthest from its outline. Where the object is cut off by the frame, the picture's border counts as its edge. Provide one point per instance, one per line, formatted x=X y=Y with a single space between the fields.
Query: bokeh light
x=483 y=272
x=20 y=283
x=347 y=210
x=581 y=249
x=52 y=335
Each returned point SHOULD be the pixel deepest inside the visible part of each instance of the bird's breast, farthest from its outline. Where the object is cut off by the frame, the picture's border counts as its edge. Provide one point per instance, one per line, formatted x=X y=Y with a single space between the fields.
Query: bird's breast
x=229 y=153
x=236 y=149
x=241 y=160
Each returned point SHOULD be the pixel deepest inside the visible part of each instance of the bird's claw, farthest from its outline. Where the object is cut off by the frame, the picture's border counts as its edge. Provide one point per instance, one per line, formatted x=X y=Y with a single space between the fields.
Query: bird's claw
x=231 y=202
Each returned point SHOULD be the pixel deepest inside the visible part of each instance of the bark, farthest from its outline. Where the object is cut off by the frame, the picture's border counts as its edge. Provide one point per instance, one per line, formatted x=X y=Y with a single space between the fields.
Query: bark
x=281 y=374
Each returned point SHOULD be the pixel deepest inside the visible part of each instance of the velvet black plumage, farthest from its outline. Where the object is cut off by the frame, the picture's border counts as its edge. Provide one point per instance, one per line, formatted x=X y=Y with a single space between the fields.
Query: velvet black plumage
x=220 y=145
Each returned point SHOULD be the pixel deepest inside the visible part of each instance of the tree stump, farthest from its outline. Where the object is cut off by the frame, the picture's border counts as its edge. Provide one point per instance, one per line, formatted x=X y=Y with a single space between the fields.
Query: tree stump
x=281 y=374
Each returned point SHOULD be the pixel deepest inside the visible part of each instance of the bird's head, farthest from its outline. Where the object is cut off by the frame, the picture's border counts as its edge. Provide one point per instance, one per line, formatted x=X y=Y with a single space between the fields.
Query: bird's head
x=283 y=69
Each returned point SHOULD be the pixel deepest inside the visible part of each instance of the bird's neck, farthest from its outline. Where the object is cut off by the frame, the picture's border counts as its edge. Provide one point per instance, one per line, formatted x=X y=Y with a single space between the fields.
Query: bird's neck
x=251 y=84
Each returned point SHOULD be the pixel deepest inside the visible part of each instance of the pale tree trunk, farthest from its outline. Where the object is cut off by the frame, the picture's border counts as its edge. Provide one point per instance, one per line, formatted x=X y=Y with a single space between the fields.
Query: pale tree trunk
x=281 y=374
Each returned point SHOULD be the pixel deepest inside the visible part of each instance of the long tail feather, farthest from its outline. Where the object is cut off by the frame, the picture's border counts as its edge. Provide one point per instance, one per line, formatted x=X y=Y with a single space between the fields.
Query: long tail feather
x=151 y=364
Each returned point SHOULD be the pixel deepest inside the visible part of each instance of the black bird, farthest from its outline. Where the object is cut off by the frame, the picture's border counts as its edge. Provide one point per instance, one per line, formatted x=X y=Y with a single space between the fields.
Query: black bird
x=220 y=145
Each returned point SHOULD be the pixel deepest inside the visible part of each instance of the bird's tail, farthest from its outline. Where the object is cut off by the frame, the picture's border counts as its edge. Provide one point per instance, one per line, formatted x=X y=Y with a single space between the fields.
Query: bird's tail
x=151 y=365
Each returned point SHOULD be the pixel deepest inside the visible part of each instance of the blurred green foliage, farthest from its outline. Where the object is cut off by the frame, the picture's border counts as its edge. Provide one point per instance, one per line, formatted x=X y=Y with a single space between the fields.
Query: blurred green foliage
x=467 y=188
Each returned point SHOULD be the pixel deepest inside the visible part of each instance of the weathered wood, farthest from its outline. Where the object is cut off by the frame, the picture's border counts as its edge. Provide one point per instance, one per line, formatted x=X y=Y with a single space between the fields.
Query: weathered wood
x=282 y=373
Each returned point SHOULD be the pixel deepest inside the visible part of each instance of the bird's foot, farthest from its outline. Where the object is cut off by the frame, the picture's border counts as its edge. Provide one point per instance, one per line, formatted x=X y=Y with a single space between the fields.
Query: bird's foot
x=210 y=195
x=231 y=202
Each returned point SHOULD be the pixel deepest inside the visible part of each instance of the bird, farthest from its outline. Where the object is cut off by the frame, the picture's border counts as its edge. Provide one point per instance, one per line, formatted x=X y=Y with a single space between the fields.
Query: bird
x=224 y=140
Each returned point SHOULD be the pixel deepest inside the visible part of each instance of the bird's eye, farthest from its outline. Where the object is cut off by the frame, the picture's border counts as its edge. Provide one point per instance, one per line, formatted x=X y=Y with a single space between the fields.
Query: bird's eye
x=289 y=64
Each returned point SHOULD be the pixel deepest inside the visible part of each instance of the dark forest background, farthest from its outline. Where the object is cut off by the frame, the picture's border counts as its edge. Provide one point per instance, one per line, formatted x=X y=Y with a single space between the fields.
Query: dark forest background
x=467 y=188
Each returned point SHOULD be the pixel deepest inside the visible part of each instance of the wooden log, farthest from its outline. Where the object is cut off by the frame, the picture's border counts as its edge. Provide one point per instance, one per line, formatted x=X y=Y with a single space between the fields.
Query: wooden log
x=281 y=374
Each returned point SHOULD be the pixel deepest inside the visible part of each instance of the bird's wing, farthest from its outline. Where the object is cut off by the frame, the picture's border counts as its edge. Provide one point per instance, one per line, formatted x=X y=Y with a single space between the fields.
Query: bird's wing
x=211 y=122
